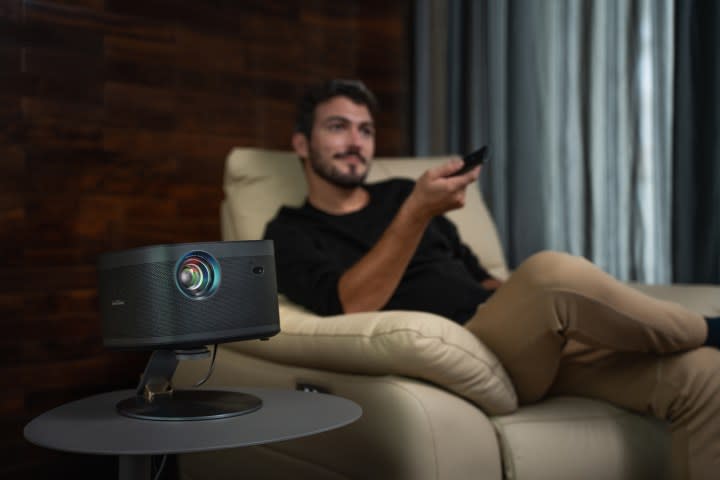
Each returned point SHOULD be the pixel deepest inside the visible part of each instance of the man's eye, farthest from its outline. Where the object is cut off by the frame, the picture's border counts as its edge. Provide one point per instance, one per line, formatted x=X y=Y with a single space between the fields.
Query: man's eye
x=368 y=132
x=335 y=126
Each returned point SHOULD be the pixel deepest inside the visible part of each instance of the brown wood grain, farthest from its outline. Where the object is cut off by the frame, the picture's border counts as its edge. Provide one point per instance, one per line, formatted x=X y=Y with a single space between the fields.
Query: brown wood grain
x=115 y=120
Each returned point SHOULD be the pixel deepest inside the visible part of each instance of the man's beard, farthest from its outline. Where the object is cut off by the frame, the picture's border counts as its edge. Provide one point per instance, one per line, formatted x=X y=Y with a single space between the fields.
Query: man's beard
x=328 y=172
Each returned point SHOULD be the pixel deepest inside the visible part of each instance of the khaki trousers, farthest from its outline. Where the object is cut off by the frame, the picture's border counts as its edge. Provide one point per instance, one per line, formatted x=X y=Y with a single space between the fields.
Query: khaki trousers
x=560 y=325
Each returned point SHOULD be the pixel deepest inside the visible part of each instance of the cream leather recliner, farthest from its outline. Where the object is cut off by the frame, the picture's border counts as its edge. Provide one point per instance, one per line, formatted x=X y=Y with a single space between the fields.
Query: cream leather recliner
x=436 y=402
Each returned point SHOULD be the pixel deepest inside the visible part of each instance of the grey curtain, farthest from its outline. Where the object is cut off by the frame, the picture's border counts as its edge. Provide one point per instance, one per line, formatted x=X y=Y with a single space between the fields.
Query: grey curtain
x=575 y=100
x=696 y=208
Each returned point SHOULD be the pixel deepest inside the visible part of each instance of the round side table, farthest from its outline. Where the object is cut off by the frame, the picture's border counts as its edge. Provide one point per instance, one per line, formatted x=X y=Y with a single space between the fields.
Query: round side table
x=93 y=426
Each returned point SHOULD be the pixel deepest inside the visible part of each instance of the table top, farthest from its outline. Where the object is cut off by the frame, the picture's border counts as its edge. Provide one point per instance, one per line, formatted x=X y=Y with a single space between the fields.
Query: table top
x=93 y=425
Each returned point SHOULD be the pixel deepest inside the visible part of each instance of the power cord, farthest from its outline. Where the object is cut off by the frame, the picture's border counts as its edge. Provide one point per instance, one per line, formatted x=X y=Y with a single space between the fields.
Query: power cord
x=211 y=369
x=160 y=468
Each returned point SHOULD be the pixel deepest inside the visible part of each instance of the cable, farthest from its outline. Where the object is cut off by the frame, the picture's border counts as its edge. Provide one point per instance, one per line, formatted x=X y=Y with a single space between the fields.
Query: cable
x=160 y=468
x=210 y=370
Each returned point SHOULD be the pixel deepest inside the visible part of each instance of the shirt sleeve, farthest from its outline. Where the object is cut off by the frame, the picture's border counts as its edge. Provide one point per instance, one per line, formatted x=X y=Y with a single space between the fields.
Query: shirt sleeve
x=305 y=274
x=462 y=251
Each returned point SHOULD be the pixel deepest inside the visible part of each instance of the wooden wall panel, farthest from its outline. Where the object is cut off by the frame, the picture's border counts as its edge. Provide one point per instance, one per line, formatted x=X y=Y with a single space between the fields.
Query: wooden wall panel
x=115 y=120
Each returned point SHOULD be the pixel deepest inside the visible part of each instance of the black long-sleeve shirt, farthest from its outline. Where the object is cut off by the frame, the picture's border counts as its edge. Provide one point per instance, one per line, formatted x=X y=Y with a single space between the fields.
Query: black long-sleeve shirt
x=313 y=249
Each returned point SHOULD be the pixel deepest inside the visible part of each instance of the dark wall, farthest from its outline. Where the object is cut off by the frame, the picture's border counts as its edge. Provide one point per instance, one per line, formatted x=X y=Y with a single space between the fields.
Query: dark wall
x=115 y=119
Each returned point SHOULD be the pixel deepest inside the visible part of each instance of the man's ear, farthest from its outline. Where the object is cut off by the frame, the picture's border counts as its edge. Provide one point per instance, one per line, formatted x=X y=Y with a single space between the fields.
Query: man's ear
x=300 y=144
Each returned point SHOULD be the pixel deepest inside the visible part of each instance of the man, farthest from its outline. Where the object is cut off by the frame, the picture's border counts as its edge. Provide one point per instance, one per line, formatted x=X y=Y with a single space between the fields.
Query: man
x=559 y=324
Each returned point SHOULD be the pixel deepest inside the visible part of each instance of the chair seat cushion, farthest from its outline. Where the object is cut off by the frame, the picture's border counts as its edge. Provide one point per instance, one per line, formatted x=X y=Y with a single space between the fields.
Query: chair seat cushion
x=567 y=438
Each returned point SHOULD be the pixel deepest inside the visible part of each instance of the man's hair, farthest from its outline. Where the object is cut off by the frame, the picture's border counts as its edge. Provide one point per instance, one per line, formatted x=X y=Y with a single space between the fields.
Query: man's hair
x=355 y=90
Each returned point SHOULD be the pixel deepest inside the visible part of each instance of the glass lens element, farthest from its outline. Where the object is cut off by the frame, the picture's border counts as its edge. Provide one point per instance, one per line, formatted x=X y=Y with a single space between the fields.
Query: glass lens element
x=197 y=275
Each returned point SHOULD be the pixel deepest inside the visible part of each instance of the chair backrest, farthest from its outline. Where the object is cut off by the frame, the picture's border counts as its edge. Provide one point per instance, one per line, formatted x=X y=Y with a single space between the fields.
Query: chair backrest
x=258 y=182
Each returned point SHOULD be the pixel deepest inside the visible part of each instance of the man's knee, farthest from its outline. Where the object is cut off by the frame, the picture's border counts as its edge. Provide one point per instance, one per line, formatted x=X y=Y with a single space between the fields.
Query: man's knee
x=550 y=267
x=547 y=258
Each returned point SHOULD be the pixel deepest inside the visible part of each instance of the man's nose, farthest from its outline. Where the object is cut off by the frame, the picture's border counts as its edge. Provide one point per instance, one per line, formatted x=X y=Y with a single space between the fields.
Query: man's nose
x=356 y=137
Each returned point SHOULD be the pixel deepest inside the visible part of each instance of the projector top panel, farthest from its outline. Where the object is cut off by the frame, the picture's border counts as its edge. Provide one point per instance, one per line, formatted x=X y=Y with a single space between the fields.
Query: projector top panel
x=172 y=252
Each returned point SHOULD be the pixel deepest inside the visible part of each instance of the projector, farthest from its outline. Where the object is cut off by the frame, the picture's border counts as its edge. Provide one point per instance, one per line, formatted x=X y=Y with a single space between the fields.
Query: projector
x=175 y=300
x=188 y=295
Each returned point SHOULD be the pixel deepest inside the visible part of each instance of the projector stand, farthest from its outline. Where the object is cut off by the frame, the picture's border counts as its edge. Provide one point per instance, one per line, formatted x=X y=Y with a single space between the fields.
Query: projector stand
x=155 y=398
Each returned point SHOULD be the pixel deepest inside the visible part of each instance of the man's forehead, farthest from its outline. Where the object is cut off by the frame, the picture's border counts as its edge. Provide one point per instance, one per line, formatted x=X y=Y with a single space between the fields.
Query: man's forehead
x=343 y=108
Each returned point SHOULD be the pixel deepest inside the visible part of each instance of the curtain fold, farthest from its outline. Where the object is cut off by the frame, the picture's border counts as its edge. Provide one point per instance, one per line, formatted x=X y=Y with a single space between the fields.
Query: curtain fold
x=577 y=111
x=696 y=206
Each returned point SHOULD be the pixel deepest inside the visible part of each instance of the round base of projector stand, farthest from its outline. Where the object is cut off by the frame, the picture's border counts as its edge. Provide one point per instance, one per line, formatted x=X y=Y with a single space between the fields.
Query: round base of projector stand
x=156 y=399
x=185 y=405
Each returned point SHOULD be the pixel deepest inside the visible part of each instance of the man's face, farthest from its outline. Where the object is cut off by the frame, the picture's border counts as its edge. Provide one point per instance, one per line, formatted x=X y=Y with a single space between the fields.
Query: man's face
x=342 y=142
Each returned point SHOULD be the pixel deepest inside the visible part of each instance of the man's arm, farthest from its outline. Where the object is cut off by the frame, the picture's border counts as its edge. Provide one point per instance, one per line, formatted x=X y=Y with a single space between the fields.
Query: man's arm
x=369 y=284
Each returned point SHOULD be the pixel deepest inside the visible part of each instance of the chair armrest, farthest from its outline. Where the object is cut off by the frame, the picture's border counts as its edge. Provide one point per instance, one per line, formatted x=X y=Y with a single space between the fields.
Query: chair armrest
x=704 y=299
x=412 y=344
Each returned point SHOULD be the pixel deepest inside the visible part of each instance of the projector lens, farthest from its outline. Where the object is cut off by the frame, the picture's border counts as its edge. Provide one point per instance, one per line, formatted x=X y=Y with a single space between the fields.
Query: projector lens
x=197 y=275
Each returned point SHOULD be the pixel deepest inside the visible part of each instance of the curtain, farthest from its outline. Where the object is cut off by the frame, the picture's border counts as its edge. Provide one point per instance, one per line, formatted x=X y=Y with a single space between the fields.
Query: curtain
x=696 y=225
x=574 y=99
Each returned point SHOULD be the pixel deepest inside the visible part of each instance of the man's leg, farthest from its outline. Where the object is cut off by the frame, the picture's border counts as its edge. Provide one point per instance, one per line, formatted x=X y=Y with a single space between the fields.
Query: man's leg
x=683 y=388
x=554 y=297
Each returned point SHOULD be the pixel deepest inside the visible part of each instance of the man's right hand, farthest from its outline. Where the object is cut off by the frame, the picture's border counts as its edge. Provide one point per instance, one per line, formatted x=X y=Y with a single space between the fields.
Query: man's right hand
x=436 y=192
